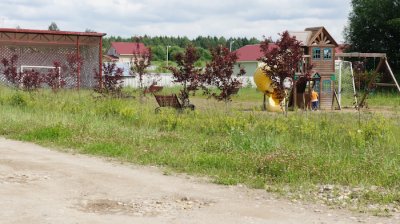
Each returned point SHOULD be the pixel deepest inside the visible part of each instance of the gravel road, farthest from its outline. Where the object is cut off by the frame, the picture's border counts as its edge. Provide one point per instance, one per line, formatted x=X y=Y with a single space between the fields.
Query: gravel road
x=39 y=185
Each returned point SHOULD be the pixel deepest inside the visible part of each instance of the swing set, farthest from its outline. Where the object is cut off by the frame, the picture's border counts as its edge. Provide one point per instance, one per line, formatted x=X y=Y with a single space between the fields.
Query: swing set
x=383 y=63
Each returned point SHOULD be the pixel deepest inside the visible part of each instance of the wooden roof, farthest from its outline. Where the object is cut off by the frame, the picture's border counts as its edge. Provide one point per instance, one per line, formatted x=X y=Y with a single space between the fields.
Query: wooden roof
x=320 y=36
x=302 y=36
x=314 y=36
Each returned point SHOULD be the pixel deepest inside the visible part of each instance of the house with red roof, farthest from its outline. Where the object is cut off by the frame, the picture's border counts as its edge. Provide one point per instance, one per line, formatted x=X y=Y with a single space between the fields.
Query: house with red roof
x=248 y=58
x=124 y=52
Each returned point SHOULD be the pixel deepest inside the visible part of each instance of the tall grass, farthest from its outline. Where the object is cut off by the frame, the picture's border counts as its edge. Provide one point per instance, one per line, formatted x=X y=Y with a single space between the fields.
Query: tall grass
x=250 y=147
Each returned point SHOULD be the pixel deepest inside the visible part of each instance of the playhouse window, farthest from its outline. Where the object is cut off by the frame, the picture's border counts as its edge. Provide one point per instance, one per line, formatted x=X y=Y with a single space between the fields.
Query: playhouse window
x=326 y=86
x=316 y=53
x=327 y=53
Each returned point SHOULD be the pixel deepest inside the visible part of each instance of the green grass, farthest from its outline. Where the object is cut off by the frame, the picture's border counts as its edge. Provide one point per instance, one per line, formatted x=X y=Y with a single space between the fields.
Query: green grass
x=230 y=146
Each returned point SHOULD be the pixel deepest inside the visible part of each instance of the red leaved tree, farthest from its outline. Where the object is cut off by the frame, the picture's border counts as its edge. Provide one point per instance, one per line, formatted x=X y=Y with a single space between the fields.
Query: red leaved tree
x=186 y=73
x=74 y=63
x=112 y=81
x=54 y=78
x=281 y=61
x=31 y=80
x=10 y=70
x=219 y=73
x=141 y=61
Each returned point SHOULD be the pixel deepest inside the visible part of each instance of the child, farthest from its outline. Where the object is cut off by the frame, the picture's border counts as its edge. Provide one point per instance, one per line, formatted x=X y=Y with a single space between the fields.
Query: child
x=314 y=100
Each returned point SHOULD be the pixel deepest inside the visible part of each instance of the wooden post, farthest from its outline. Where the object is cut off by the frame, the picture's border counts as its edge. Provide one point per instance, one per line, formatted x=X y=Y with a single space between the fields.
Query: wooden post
x=333 y=95
x=78 y=64
x=391 y=73
x=294 y=94
x=264 y=103
x=309 y=95
x=371 y=82
x=101 y=63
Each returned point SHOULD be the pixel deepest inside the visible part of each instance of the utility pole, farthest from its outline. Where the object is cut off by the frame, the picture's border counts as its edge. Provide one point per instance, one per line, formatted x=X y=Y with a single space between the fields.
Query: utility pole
x=230 y=45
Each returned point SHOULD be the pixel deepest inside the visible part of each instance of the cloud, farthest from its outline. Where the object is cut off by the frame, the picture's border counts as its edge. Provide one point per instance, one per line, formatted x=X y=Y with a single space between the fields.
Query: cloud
x=250 y=18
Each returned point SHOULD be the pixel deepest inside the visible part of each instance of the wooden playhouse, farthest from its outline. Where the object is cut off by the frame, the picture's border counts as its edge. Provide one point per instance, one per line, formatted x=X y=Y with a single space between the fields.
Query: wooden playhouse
x=319 y=51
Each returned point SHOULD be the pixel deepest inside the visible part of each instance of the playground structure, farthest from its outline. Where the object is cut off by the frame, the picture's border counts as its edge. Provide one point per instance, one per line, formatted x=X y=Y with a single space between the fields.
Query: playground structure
x=264 y=85
x=320 y=47
x=383 y=63
x=39 y=49
x=319 y=50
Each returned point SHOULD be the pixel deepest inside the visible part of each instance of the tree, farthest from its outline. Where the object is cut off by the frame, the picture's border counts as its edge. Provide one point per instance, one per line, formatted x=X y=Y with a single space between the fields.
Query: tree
x=219 y=73
x=53 y=26
x=173 y=51
x=281 y=62
x=113 y=79
x=141 y=61
x=158 y=52
x=28 y=80
x=10 y=70
x=74 y=64
x=374 y=26
x=111 y=83
x=186 y=73
x=31 y=80
x=54 y=79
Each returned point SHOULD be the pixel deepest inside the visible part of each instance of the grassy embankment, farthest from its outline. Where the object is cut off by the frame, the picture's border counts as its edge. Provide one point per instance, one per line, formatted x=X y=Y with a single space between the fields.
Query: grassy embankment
x=255 y=148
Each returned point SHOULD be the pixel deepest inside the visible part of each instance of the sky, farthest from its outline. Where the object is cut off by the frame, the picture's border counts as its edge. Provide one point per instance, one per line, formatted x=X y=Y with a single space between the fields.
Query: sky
x=191 y=18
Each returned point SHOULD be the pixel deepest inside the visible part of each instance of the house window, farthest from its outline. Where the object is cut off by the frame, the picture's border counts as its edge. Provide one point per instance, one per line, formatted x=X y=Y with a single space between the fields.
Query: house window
x=316 y=53
x=327 y=53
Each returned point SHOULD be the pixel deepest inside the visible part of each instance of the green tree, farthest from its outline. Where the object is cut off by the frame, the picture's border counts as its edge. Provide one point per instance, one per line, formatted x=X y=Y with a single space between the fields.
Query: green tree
x=174 y=51
x=374 y=26
x=159 y=53
x=53 y=26
x=205 y=54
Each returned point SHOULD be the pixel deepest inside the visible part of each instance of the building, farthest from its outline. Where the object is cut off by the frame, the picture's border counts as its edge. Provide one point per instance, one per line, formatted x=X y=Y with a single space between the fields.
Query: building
x=123 y=52
x=248 y=58
x=39 y=49
x=319 y=51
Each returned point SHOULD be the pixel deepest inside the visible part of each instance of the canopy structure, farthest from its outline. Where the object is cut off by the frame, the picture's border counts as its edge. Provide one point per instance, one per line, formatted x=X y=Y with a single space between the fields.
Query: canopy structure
x=39 y=49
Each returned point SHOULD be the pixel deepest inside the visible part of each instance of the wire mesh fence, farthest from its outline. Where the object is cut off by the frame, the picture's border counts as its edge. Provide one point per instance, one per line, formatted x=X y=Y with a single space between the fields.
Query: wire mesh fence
x=42 y=59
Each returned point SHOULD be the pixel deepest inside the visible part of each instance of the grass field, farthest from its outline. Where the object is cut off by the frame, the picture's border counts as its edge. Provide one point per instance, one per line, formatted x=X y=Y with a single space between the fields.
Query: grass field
x=229 y=143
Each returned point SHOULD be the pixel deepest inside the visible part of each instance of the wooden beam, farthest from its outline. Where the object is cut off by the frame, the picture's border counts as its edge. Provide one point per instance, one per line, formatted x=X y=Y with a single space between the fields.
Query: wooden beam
x=361 y=55
x=385 y=84
x=391 y=73
x=381 y=63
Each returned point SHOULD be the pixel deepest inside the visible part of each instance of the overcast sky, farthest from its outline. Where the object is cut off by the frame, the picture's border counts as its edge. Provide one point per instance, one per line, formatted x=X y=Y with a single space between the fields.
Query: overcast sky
x=229 y=18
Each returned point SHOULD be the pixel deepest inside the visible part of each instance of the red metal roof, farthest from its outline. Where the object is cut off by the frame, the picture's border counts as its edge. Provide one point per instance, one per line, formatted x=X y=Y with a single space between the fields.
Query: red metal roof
x=12 y=30
x=129 y=47
x=251 y=52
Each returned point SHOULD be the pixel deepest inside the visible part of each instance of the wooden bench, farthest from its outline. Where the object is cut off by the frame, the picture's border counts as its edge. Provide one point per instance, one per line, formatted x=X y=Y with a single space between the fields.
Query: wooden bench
x=170 y=101
x=235 y=91
x=152 y=89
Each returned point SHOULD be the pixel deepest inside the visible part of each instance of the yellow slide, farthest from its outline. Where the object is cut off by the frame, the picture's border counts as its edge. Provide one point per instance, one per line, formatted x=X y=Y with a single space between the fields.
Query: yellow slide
x=264 y=84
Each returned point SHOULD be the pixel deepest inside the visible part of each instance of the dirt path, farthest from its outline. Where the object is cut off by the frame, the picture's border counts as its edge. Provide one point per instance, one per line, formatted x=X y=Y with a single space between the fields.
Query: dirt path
x=38 y=185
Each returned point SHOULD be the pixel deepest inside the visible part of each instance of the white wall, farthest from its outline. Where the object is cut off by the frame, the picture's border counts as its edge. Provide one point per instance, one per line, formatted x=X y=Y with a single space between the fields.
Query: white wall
x=165 y=79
